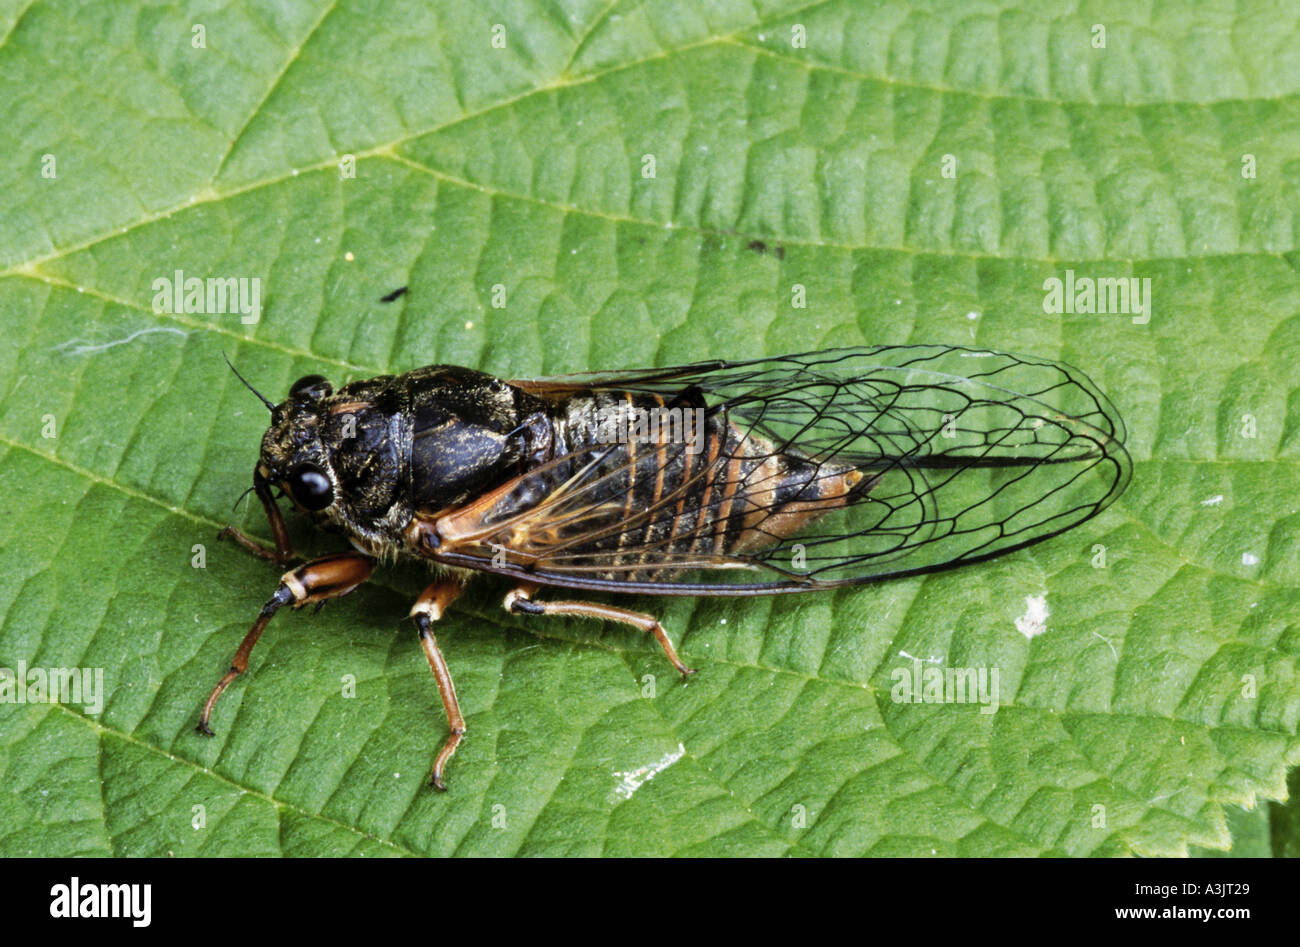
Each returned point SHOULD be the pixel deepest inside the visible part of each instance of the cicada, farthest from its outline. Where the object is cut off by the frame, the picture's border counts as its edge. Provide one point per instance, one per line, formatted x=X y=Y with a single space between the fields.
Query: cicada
x=770 y=476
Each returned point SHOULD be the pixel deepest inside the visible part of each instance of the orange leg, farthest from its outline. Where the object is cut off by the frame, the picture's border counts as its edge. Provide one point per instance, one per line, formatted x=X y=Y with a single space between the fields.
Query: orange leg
x=428 y=608
x=519 y=601
x=283 y=553
x=324 y=578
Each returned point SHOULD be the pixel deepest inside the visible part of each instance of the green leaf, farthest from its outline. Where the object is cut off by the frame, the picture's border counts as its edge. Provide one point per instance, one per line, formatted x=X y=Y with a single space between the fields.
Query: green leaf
x=1164 y=687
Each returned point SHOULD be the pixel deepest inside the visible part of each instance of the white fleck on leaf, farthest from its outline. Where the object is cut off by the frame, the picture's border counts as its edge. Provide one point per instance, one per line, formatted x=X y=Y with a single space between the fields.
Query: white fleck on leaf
x=632 y=780
x=1034 y=621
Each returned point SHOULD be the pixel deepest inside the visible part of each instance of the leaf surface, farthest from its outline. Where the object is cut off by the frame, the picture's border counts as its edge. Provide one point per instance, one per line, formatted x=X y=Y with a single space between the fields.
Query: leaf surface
x=1164 y=686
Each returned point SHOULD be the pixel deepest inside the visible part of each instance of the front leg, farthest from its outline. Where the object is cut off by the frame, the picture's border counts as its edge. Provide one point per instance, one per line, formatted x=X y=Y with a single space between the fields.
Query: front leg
x=324 y=578
x=283 y=553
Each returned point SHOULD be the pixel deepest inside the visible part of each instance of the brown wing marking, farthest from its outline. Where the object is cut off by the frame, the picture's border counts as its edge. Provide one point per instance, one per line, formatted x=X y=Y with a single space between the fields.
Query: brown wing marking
x=730 y=487
x=535 y=535
x=496 y=518
x=702 y=513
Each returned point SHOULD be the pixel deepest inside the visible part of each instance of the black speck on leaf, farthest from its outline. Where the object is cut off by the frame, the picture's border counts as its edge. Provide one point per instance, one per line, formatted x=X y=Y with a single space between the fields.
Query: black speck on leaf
x=400 y=291
x=758 y=246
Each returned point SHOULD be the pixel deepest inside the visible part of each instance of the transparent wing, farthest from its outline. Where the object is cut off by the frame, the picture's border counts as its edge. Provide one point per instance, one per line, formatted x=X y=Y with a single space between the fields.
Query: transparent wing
x=956 y=455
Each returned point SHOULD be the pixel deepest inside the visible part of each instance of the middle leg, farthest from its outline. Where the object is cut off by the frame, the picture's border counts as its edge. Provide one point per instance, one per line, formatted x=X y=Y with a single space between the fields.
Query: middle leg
x=428 y=608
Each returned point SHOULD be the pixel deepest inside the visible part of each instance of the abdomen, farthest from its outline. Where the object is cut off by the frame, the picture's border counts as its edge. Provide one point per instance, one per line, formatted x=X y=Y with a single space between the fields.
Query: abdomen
x=683 y=488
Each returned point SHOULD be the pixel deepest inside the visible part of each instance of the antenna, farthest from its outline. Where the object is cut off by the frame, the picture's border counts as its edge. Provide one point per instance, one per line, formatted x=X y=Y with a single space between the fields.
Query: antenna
x=269 y=406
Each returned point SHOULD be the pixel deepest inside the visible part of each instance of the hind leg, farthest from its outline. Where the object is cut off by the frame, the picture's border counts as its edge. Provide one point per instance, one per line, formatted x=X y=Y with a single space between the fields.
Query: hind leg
x=519 y=601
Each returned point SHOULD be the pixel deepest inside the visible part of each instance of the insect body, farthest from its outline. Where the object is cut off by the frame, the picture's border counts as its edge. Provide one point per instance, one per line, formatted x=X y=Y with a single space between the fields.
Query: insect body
x=769 y=476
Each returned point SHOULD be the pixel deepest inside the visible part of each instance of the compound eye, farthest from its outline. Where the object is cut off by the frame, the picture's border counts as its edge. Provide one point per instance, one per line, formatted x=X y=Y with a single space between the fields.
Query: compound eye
x=311 y=387
x=310 y=487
